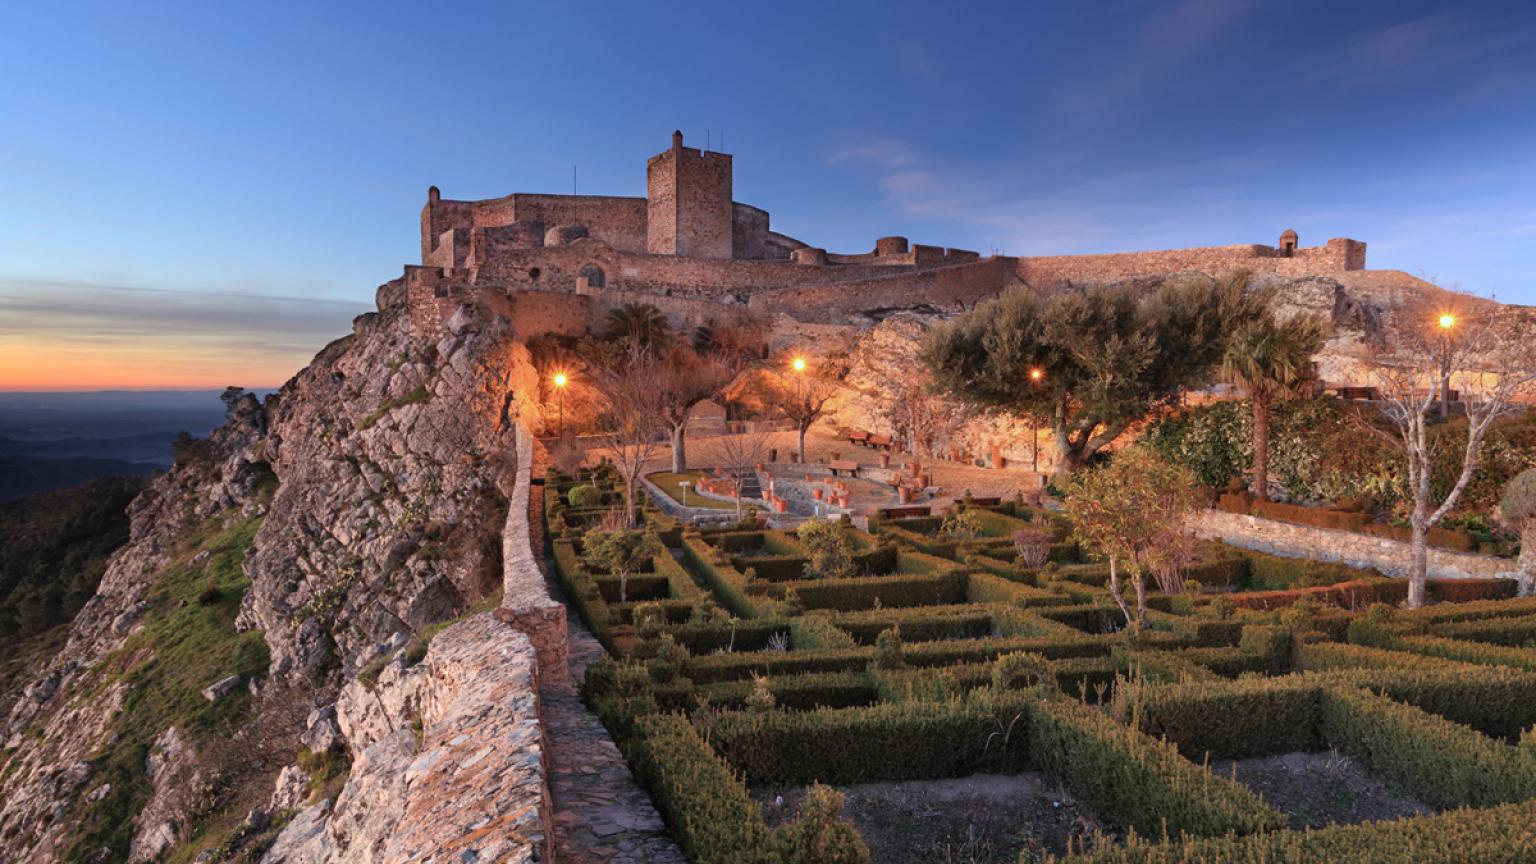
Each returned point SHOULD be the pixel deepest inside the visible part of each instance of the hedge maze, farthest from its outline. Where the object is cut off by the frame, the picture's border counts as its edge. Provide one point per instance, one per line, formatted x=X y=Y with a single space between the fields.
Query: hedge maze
x=735 y=668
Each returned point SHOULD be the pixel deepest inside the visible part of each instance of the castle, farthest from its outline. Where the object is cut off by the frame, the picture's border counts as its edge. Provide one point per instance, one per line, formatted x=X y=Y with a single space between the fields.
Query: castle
x=697 y=254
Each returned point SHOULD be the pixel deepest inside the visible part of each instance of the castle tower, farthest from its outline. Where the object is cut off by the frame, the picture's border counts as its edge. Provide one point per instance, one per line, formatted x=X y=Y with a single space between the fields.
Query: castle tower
x=688 y=202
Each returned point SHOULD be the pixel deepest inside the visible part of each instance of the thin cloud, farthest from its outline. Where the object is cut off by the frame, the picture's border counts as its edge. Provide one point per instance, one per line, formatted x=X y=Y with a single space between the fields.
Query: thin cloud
x=1430 y=48
x=883 y=153
x=1168 y=37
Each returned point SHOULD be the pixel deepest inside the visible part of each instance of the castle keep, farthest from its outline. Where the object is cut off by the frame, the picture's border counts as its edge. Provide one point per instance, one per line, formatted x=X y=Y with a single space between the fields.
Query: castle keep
x=692 y=250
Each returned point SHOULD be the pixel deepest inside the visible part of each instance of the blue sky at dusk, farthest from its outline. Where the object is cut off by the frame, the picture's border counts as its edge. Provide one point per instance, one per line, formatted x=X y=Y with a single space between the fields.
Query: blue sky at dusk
x=201 y=194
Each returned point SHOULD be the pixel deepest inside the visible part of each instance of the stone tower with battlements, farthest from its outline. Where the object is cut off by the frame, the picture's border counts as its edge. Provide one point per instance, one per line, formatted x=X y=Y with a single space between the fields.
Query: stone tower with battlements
x=688 y=202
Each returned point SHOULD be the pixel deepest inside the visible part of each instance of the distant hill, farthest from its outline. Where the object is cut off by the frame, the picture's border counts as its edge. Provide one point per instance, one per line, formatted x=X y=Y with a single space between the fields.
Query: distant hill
x=54 y=548
x=22 y=475
x=58 y=440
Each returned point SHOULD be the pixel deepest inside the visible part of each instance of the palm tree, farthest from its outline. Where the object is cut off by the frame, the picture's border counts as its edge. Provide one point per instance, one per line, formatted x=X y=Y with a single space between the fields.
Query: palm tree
x=1271 y=360
x=639 y=328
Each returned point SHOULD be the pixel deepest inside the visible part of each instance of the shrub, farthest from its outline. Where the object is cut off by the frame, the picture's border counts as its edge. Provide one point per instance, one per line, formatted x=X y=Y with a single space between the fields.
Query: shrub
x=586 y=495
x=819 y=834
x=814 y=632
x=1033 y=546
x=888 y=655
x=831 y=552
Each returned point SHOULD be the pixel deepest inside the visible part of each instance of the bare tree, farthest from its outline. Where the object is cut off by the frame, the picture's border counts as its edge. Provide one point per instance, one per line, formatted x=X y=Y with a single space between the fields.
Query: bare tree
x=918 y=415
x=800 y=392
x=632 y=426
x=684 y=379
x=1491 y=352
x=739 y=454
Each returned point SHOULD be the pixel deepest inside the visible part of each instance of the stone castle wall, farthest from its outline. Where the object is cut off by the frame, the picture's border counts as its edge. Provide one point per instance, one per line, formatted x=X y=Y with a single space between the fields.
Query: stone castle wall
x=1337 y=256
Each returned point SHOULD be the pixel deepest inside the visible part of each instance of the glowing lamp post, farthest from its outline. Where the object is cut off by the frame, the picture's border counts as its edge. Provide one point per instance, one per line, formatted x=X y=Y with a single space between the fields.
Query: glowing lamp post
x=1447 y=323
x=1036 y=375
x=560 y=381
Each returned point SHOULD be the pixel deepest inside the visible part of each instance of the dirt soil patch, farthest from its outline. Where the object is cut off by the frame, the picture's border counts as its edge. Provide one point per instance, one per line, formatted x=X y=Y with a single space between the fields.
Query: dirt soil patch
x=981 y=819
x=1317 y=789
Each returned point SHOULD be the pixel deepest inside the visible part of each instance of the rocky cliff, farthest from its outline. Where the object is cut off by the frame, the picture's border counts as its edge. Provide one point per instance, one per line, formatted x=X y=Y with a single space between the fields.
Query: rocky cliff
x=314 y=539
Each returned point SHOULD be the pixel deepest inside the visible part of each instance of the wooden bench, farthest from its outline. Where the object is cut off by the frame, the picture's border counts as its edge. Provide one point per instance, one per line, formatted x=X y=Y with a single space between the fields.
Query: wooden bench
x=844 y=465
x=992 y=501
x=855 y=436
x=906 y=512
x=878 y=441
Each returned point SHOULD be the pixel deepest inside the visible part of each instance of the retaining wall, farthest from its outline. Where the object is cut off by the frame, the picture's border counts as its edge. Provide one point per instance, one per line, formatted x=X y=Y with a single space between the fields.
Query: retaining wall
x=1391 y=557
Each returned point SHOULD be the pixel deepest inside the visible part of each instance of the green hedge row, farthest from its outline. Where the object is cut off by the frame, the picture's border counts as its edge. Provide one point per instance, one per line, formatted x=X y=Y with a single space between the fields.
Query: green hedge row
x=1442 y=763
x=919 y=624
x=794 y=692
x=707 y=806
x=1498 y=835
x=990 y=588
x=1138 y=780
x=727 y=583
x=869 y=592
x=816 y=632
x=889 y=741
x=1510 y=632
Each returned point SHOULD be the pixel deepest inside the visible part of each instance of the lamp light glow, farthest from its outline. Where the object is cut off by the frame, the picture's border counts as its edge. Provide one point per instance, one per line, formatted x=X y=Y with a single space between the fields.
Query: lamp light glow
x=799 y=364
x=1447 y=321
x=560 y=379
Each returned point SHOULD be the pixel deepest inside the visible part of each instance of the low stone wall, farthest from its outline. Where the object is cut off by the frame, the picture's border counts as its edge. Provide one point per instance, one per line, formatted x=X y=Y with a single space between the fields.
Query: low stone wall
x=525 y=600
x=448 y=761
x=1391 y=557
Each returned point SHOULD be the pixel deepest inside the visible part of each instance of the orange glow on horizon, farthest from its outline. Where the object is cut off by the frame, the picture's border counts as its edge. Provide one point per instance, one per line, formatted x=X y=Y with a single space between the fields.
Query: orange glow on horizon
x=30 y=364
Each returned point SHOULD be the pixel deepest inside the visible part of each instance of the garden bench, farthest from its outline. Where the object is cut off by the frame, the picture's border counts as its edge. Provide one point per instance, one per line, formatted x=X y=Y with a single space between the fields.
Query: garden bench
x=844 y=465
x=855 y=436
x=906 y=512
x=878 y=441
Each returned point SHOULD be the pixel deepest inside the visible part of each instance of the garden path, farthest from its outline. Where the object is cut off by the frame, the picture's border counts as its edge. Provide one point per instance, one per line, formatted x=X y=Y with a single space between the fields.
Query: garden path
x=601 y=813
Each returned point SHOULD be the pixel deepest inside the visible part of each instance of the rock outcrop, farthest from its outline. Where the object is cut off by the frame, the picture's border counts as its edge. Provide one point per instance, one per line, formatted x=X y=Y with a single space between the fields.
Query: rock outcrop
x=448 y=764
x=331 y=523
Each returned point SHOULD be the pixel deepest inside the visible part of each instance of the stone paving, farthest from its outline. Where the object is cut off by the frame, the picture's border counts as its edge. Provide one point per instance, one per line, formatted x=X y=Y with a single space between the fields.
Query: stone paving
x=601 y=813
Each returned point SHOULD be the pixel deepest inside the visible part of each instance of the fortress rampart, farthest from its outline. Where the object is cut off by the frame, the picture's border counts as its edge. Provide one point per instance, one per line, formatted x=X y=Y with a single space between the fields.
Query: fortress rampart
x=691 y=250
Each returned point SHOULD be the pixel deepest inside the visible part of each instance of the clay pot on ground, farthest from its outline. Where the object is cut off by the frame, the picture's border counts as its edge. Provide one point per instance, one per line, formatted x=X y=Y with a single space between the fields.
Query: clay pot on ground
x=997 y=460
x=954 y=454
x=922 y=481
x=904 y=494
x=807 y=478
x=759 y=467
x=780 y=505
x=816 y=493
x=842 y=501
x=917 y=467
x=885 y=460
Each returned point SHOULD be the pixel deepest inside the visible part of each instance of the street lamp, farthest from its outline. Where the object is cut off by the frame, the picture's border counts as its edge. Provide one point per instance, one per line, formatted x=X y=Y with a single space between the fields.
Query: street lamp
x=798 y=364
x=1036 y=375
x=560 y=381
x=1447 y=322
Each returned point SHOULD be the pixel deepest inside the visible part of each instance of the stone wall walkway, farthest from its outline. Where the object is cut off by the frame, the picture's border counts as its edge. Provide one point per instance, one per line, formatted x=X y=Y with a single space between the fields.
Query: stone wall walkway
x=601 y=813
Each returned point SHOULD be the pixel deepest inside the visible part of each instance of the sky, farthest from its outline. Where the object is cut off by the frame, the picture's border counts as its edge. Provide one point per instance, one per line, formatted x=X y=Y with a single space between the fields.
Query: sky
x=203 y=194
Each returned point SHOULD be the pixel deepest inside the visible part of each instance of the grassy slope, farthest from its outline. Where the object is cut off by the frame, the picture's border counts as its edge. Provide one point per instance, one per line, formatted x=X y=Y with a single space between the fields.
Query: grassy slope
x=188 y=641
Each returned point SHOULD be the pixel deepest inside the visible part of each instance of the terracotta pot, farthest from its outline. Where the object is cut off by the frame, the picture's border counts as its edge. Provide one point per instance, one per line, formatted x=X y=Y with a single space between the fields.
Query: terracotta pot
x=885 y=460
x=842 y=501
x=997 y=460
x=816 y=493
x=807 y=478
x=917 y=467
x=780 y=506
x=904 y=494
x=954 y=455
x=922 y=481
x=759 y=467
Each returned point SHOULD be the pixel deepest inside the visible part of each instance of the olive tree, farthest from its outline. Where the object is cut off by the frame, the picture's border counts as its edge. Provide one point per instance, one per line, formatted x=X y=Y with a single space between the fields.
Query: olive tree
x=1088 y=362
x=1135 y=512
x=1517 y=509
